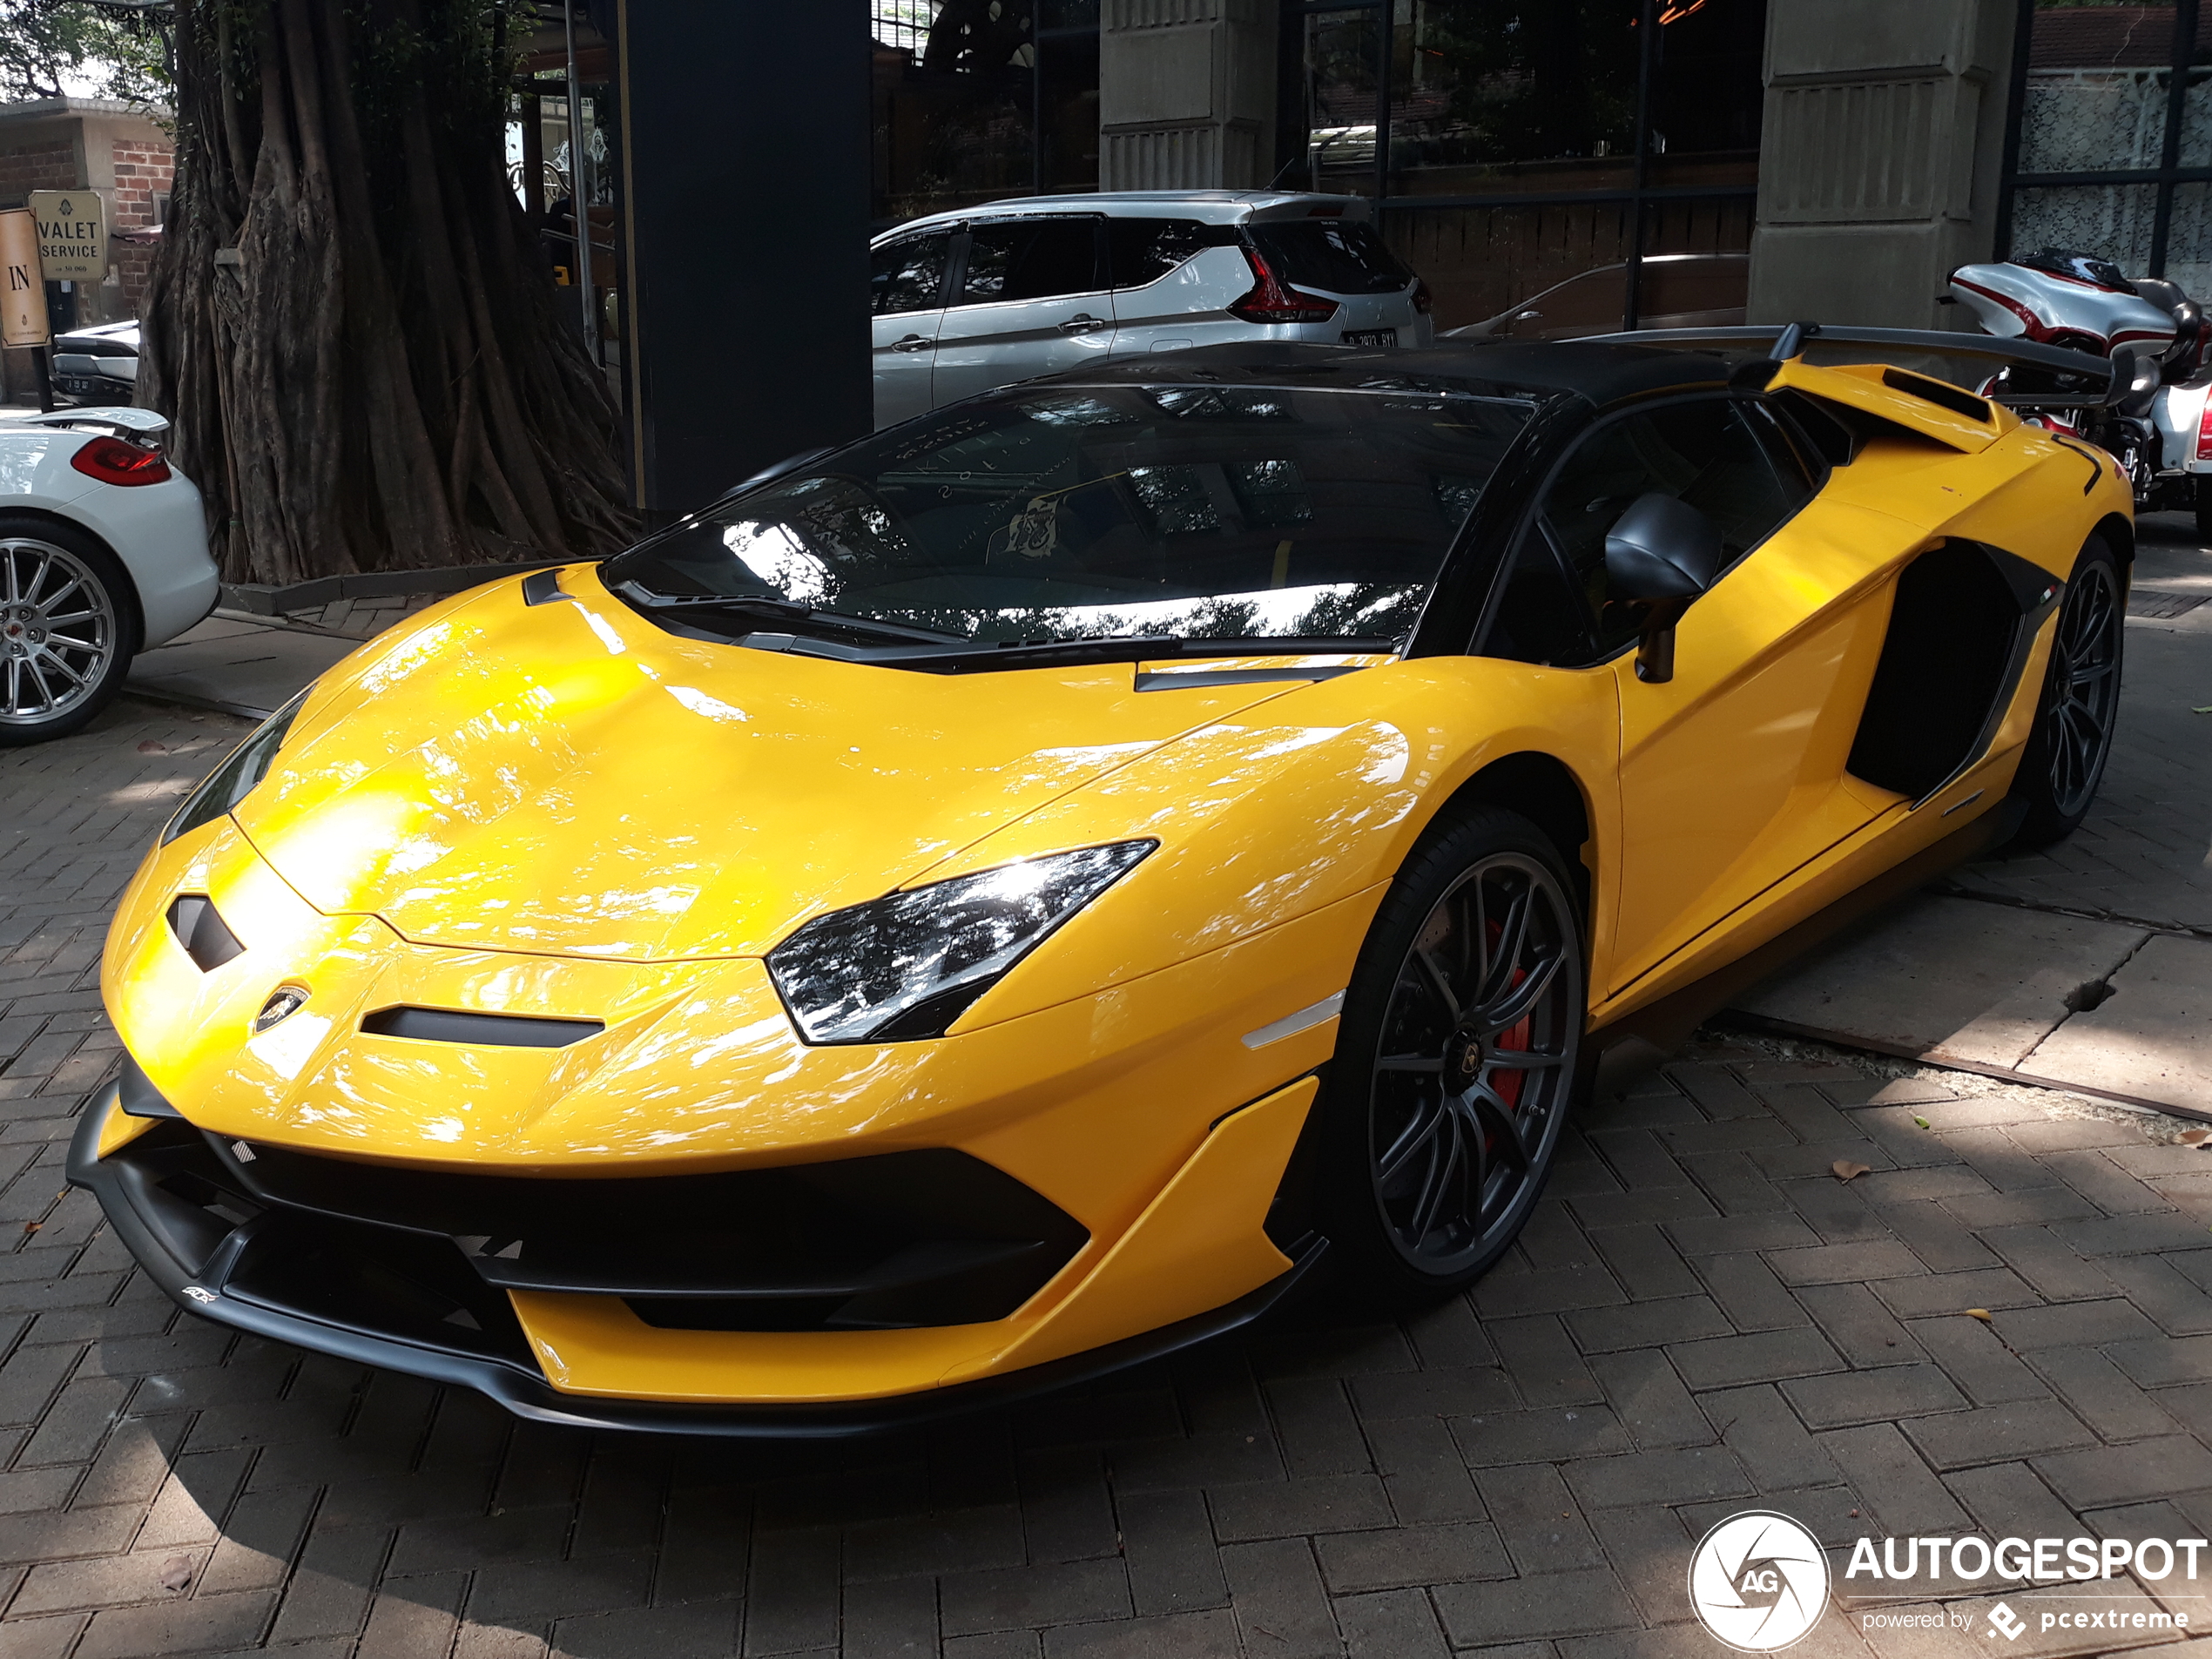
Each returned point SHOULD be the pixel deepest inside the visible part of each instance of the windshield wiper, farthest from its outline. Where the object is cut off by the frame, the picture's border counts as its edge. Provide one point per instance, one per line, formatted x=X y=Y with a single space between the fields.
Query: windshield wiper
x=790 y=612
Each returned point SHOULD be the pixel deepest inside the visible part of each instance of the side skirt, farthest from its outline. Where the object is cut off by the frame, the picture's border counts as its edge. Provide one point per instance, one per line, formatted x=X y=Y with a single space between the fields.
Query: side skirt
x=1639 y=1043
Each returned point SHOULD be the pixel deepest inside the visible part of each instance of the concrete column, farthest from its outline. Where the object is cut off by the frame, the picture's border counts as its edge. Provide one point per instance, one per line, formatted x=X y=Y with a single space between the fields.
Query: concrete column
x=1880 y=159
x=1186 y=94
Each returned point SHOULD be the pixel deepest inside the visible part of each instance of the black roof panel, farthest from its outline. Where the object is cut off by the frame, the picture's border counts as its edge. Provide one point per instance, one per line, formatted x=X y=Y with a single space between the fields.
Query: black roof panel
x=1602 y=373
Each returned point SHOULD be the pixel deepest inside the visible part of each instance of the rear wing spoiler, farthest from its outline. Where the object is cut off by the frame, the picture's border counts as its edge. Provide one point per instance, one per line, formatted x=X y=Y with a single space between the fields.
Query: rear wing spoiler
x=2102 y=381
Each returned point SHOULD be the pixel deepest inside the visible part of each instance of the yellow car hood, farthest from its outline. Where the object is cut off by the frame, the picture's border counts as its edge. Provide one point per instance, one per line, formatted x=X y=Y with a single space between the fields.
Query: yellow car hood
x=567 y=778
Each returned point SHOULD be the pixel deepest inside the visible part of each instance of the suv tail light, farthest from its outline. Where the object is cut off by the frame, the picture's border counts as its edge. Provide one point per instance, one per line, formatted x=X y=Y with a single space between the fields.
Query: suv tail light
x=1422 y=301
x=112 y=460
x=1271 y=299
x=2204 y=432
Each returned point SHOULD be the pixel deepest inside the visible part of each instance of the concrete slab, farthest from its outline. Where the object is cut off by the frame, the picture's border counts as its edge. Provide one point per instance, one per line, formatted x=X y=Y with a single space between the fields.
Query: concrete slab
x=235 y=667
x=1948 y=980
x=2152 y=1037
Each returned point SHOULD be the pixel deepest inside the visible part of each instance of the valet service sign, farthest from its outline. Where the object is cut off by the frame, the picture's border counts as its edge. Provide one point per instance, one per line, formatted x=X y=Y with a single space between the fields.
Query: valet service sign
x=1760 y=1582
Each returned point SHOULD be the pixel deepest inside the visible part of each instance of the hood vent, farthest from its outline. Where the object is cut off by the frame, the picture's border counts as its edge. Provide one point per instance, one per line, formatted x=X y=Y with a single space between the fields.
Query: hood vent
x=201 y=932
x=484 y=1030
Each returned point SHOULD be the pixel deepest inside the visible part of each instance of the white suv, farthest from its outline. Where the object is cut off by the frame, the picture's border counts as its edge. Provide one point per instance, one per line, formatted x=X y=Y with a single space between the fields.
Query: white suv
x=968 y=301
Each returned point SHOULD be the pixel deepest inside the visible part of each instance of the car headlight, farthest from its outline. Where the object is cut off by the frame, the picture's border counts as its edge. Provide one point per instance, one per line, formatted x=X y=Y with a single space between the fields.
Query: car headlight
x=233 y=780
x=906 y=966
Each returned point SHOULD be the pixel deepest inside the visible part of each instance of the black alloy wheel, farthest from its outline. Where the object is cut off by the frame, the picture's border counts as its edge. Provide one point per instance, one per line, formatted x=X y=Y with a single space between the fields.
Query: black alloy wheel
x=1458 y=1056
x=2067 y=752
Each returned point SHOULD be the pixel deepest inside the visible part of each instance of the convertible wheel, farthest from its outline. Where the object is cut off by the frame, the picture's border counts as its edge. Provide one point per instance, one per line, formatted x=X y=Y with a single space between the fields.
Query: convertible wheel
x=1456 y=1058
x=2065 y=754
x=66 y=629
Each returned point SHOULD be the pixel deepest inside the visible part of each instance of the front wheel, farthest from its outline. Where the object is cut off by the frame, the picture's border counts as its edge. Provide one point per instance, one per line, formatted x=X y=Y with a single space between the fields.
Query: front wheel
x=1456 y=1058
x=67 y=629
x=2072 y=740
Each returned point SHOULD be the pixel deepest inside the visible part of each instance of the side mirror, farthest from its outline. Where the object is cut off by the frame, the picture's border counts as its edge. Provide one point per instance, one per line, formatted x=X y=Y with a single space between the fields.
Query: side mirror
x=1661 y=554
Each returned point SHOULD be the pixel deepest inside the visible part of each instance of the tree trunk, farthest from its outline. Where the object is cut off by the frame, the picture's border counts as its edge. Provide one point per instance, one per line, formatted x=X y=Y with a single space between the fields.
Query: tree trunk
x=360 y=349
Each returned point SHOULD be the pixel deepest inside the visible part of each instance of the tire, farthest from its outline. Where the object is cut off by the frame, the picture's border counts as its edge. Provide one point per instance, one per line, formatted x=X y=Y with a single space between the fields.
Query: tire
x=2065 y=758
x=69 y=625
x=2201 y=490
x=1436 y=1135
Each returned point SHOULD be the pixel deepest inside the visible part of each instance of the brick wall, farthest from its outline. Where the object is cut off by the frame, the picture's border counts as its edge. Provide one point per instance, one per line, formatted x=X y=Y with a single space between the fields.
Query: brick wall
x=144 y=172
x=48 y=164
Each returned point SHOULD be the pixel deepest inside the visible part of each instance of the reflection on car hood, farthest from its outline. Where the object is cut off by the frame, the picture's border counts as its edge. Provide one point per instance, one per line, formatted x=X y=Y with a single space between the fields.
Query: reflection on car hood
x=567 y=778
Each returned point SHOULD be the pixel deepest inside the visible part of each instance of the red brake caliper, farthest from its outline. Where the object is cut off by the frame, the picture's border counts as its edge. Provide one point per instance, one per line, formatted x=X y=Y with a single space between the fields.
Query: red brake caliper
x=1508 y=1084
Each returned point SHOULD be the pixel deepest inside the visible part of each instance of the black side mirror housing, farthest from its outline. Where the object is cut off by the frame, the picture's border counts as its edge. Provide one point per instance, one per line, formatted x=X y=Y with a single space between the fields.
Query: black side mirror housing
x=1661 y=553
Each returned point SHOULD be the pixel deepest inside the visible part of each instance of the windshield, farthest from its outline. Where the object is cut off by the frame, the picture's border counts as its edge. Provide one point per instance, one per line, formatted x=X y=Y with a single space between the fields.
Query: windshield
x=1199 y=512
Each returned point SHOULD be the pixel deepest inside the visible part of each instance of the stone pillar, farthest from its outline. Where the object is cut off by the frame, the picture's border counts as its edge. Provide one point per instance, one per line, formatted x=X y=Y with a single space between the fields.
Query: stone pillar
x=1186 y=94
x=1880 y=159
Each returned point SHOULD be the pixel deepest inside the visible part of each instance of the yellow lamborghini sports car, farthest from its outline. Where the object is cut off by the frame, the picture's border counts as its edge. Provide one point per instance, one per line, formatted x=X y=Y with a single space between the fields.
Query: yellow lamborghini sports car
x=1002 y=899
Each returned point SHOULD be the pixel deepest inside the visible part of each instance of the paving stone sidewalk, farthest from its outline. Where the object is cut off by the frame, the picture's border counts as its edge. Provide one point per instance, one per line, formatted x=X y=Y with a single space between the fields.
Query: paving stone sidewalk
x=2087 y=963
x=1701 y=1317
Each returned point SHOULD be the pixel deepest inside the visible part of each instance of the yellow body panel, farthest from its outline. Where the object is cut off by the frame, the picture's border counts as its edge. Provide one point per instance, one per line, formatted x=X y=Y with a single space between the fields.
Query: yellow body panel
x=562 y=810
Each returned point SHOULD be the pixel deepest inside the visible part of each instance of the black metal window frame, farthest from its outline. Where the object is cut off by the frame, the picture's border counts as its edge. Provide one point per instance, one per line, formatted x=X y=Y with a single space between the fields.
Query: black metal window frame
x=1293 y=137
x=2169 y=173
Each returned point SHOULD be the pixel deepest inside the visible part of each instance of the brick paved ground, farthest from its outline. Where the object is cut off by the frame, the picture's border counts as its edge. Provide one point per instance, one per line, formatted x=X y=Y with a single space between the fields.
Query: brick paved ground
x=1701 y=1316
x=361 y=618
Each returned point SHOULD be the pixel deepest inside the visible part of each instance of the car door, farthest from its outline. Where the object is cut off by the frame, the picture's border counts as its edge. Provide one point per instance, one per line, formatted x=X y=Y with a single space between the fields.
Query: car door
x=1030 y=298
x=907 y=306
x=1732 y=772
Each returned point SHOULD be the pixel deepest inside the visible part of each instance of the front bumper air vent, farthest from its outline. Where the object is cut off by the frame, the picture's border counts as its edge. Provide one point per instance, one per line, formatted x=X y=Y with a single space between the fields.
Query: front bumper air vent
x=895 y=1241
x=484 y=1030
x=200 y=930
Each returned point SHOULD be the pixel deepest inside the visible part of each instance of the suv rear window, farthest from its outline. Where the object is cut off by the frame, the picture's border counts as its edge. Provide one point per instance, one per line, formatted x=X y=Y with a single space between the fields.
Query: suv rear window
x=1337 y=256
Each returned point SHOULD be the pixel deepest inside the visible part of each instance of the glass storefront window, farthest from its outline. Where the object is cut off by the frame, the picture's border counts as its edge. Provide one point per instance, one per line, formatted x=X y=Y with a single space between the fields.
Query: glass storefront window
x=1706 y=87
x=977 y=100
x=1479 y=93
x=1342 y=63
x=2112 y=221
x=2106 y=148
x=2096 y=93
x=2189 y=239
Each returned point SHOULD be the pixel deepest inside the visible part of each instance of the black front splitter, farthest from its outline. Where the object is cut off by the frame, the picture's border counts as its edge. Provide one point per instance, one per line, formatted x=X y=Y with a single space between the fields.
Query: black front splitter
x=525 y=1391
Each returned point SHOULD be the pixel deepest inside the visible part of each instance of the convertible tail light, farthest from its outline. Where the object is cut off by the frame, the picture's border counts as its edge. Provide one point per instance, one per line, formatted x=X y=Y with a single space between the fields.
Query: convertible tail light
x=112 y=460
x=1423 y=302
x=2204 y=432
x=1271 y=299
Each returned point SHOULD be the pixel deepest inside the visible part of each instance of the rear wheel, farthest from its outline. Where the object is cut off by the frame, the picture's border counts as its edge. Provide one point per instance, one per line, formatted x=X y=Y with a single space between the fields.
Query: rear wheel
x=68 y=625
x=2065 y=754
x=1455 y=1060
x=2201 y=486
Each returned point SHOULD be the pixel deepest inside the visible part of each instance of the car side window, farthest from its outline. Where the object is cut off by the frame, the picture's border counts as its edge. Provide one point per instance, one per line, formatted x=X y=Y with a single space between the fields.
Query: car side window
x=1726 y=458
x=1029 y=258
x=908 y=274
x=1139 y=250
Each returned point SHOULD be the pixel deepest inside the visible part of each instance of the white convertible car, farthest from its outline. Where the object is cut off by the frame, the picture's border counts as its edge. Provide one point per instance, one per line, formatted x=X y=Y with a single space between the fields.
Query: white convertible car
x=103 y=553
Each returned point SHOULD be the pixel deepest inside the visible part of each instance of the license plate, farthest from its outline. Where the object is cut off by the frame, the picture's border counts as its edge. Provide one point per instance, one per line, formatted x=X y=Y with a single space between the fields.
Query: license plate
x=1371 y=336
